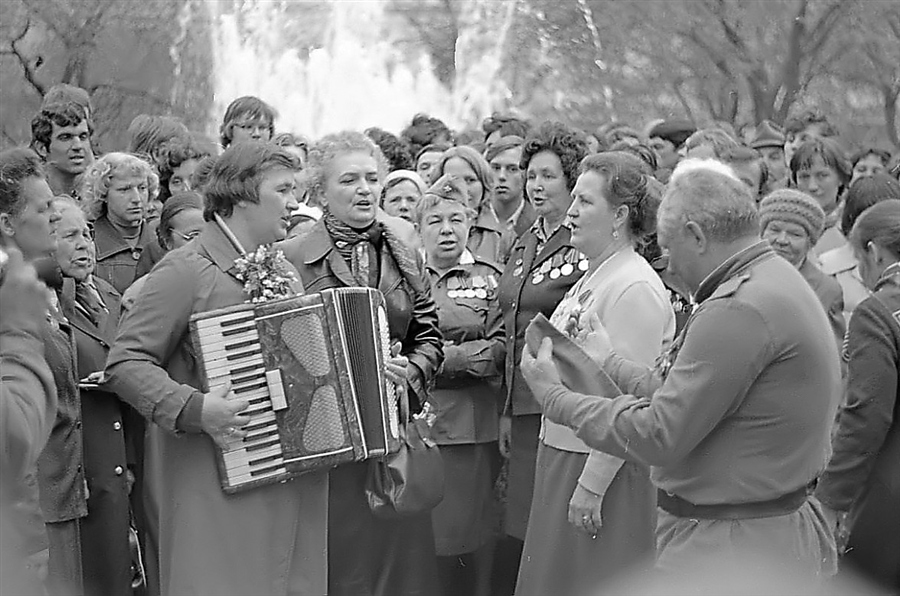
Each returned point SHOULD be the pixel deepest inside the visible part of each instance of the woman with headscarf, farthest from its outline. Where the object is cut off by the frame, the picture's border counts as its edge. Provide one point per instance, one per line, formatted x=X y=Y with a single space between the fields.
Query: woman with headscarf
x=351 y=246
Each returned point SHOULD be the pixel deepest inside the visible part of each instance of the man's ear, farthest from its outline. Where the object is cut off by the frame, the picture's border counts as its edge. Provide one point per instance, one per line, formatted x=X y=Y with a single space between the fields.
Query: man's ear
x=7 y=225
x=696 y=234
x=41 y=150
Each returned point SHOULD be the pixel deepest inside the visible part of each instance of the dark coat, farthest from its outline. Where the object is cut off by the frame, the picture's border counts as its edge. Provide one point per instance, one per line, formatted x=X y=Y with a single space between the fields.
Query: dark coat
x=366 y=554
x=116 y=259
x=829 y=293
x=104 y=532
x=521 y=300
x=412 y=317
x=863 y=475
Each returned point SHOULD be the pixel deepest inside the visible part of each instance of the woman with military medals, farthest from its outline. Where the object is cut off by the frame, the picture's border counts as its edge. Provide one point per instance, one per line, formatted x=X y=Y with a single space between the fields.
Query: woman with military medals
x=542 y=266
x=593 y=514
x=270 y=539
x=466 y=394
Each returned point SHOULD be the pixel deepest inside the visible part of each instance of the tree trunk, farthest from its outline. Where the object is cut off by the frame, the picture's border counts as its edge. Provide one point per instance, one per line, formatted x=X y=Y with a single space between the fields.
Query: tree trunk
x=890 y=113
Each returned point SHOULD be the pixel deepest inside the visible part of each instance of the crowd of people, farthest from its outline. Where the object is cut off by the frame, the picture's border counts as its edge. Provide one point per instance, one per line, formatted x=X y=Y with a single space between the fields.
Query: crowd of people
x=640 y=350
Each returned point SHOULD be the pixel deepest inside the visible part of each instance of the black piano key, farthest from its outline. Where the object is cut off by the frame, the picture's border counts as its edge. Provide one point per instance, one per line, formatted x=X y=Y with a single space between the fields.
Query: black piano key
x=249 y=388
x=242 y=355
x=262 y=445
x=250 y=318
x=237 y=380
x=249 y=343
x=268 y=470
x=251 y=437
x=237 y=330
x=259 y=425
x=243 y=369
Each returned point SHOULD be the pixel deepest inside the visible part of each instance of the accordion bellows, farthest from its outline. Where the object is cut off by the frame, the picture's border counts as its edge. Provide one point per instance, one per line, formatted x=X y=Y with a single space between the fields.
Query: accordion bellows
x=312 y=368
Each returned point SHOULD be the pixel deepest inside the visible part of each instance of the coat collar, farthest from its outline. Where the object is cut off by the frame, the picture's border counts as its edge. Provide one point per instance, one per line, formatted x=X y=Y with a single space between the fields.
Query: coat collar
x=733 y=267
x=317 y=246
x=218 y=248
x=109 y=242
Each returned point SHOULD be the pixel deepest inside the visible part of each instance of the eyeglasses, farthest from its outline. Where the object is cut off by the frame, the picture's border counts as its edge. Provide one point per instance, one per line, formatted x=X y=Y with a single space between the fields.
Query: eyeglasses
x=189 y=236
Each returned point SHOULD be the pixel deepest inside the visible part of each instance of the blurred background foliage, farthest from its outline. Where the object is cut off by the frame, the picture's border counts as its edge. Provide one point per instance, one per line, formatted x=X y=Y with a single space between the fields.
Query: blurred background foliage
x=582 y=61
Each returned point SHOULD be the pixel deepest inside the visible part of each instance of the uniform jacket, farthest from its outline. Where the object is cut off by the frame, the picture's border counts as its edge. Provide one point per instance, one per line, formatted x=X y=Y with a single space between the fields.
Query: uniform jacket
x=412 y=317
x=467 y=390
x=116 y=260
x=863 y=476
x=741 y=407
x=829 y=293
x=209 y=543
x=521 y=299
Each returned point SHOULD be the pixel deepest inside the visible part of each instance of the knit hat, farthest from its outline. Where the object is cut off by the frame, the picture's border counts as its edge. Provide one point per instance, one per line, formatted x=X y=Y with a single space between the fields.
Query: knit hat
x=767 y=135
x=793 y=206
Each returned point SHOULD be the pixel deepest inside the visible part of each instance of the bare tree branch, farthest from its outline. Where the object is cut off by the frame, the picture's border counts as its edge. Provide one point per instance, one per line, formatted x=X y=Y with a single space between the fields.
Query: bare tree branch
x=23 y=61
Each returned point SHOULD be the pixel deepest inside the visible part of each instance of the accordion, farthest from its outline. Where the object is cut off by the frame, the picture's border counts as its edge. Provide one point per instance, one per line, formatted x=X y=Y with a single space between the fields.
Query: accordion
x=312 y=369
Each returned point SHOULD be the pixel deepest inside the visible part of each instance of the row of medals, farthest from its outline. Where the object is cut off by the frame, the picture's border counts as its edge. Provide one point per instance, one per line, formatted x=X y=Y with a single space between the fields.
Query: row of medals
x=560 y=265
x=458 y=287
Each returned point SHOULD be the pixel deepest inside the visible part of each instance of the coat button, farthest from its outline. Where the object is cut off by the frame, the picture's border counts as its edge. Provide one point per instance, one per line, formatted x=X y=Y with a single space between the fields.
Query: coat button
x=117 y=425
x=78 y=424
x=118 y=470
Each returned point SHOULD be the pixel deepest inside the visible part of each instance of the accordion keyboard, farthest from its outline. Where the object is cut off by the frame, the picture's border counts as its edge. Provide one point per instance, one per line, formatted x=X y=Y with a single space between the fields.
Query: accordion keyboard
x=231 y=352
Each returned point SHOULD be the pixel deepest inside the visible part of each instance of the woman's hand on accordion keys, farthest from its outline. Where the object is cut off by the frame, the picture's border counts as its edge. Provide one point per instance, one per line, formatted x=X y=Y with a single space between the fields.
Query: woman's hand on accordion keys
x=221 y=417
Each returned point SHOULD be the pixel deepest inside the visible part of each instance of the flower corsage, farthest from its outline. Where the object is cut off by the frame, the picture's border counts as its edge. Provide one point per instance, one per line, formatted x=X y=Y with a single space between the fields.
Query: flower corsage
x=266 y=275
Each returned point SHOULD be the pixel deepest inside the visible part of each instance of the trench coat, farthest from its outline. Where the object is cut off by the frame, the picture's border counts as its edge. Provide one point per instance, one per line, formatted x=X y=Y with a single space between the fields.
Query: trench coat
x=269 y=540
x=106 y=559
x=369 y=555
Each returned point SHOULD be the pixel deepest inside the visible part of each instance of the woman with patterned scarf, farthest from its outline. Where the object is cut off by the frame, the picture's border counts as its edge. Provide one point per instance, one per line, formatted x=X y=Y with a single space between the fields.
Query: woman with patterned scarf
x=354 y=246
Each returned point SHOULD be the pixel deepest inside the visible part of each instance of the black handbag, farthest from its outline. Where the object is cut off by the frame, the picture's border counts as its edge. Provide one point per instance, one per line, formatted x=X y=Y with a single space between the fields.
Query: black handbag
x=411 y=480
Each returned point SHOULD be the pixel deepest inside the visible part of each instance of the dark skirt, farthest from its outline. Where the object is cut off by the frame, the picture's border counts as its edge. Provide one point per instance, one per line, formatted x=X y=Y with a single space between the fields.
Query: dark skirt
x=520 y=483
x=369 y=556
x=561 y=559
x=465 y=519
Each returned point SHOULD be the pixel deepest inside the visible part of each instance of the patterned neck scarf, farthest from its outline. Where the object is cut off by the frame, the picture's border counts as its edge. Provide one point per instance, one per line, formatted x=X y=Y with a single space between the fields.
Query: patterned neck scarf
x=360 y=249
x=88 y=298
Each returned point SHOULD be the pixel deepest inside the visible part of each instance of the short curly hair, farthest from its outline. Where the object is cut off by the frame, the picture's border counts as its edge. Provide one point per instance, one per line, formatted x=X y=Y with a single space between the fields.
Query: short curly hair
x=174 y=153
x=478 y=164
x=60 y=114
x=568 y=144
x=16 y=166
x=323 y=152
x=394 y=150
x=507 y=124
x=96 y=181
x=424 y=130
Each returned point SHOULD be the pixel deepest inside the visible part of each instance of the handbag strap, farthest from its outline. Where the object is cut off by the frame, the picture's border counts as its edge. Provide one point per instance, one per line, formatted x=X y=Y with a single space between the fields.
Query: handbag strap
x=403 y=390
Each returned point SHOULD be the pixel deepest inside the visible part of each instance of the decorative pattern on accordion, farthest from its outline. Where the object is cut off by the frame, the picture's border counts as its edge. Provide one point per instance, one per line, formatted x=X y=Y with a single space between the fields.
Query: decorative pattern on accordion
x=294 y=360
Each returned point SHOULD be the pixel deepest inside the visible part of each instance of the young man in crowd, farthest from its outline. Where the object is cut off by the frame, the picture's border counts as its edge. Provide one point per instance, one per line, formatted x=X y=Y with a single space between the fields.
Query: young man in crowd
x=247 y=118
x=61 y=136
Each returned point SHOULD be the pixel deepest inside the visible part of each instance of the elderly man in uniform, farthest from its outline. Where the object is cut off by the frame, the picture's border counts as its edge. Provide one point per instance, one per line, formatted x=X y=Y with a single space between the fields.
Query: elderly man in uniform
x=734 y=420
